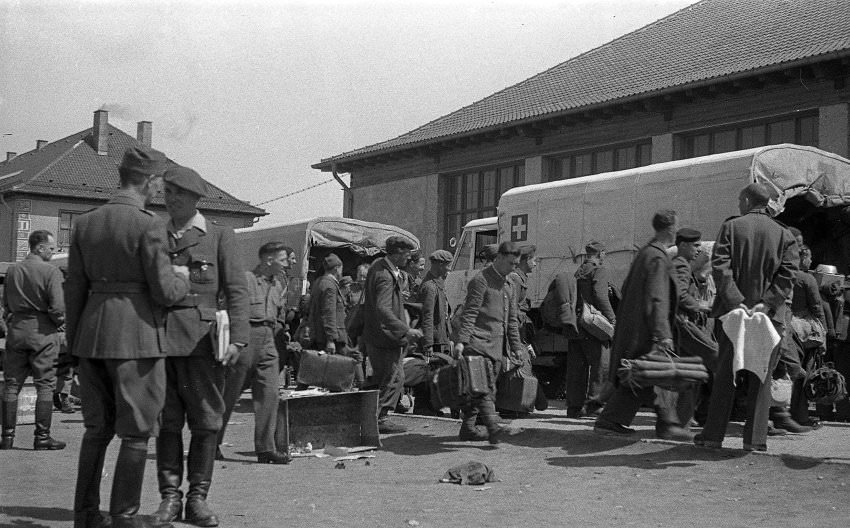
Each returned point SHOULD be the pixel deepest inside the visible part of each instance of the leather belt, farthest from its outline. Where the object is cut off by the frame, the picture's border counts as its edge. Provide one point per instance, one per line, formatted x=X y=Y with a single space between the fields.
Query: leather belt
x=193 y=300
x=270 y=324
x=118 y=287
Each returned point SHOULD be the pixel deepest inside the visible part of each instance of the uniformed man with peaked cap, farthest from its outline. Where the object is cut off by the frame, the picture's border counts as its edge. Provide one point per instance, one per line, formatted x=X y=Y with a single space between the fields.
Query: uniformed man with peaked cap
x=115 y=299
x=194 y=376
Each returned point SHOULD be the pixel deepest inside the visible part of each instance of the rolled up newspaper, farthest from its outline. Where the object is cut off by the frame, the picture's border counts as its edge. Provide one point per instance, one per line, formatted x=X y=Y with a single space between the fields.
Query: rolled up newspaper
x=221 y=335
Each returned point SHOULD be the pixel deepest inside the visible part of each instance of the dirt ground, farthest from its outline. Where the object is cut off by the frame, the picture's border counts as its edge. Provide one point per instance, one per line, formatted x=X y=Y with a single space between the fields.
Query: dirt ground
x=556 y=472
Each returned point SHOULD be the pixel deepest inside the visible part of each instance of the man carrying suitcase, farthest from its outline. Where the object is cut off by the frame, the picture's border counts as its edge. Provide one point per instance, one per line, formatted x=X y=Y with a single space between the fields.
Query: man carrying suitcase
x=489 y=328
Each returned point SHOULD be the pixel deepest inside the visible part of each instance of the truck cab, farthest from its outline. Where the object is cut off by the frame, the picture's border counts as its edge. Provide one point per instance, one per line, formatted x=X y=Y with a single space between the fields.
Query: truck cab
x=476 y=234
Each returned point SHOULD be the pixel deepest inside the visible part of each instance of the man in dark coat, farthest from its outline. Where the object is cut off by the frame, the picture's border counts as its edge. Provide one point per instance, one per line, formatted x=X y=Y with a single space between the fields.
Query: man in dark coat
x=753 y=267
x=119 y=282
x=257 y=365
x=36 y=307
x=646 y=310
x=194 y=373
x=588 y=358
x=385 y=332
x=489 y=328
x=327 y=308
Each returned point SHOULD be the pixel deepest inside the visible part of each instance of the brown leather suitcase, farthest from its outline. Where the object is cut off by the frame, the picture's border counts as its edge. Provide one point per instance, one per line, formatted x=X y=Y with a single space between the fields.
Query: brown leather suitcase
x=479 y=374
x=330 y=371
x=515 y=392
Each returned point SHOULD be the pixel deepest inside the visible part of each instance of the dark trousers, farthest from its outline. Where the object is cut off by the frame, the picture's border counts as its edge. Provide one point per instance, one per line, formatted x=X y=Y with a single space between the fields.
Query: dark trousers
x=484 y=405
x=32 y=347
x=193 y=393
x=626 y=402
x=588 y=362
x=388 y=375
x=258 y=367
x=723 y=395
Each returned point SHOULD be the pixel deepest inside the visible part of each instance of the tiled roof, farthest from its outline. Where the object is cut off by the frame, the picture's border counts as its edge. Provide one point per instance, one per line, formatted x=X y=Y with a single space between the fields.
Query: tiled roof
x=710 y=39
x=71 y=168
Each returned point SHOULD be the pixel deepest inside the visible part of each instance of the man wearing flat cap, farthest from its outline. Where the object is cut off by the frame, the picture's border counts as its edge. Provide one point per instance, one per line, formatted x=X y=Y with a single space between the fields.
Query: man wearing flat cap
x=195 y=376
x=258 y=363
x=588 y=358
x=115 y=301
x=327 y=308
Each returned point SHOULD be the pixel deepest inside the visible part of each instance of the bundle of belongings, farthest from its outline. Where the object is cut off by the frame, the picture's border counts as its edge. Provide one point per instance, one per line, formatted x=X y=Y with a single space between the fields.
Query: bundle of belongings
x=334 y=372
x=472 y=473
x=665 y=370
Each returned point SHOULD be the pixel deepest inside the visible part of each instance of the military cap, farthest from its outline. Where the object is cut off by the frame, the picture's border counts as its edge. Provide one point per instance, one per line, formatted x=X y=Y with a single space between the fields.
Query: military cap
x=489 y=252
x=186 y=179
x=594 y=247
x=527 y=251
x=441 y=255
x=346 y=281
x=687 y=234
x=143 y=160
x=331 y=261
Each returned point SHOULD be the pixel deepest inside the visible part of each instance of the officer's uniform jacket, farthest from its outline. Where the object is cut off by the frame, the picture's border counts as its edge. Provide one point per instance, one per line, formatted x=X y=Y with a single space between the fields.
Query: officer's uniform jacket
x=489 y=324
x=435 y=312
x=753 y=262
x=327 y=311
x=119 y=281
x=209 y=251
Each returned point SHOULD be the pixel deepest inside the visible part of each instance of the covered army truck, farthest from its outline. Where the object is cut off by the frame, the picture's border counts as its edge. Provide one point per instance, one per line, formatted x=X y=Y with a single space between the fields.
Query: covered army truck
x=353 y=241
x=811 y=191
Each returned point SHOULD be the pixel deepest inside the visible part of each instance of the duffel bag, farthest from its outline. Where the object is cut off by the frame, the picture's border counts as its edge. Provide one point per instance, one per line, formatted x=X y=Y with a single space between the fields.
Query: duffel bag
x=330 y=371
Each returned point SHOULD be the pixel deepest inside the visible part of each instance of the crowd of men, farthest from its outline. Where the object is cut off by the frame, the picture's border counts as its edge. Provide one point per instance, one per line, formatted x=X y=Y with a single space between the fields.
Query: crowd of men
x=141 y=296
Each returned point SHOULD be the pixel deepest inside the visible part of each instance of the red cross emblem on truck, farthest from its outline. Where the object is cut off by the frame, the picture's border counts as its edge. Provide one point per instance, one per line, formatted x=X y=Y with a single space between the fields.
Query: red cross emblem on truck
x=519 y=228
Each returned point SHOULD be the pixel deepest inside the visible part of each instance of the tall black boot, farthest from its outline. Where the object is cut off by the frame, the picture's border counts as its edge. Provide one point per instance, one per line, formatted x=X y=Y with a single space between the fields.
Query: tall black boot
x=43 y=419
x=169 y=474
x=199 y=474
x=127 y=486
x=87 y=496
x=10 y=420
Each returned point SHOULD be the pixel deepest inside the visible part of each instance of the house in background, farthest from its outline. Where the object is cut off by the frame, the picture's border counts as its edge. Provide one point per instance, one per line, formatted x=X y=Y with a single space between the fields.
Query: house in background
x=46 y=188
x=716 y=76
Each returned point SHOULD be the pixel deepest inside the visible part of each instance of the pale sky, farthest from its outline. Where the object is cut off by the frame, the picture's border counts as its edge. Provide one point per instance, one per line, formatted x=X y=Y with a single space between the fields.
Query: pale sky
x=250 y=94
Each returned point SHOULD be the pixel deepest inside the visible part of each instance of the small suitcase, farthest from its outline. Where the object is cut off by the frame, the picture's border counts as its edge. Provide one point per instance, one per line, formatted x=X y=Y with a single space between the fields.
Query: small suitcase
x=333 y=372
x=515 y=392
x=479 y=374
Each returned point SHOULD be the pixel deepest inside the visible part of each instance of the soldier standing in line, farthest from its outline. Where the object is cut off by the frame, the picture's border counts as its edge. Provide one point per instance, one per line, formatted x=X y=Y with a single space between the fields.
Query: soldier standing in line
x=257 y=365
x=115 y=310
x=194 y=377
x=36 y=308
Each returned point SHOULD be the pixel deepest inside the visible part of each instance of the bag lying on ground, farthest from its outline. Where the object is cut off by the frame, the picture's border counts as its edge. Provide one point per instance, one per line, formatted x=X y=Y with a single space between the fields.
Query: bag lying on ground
x=330 y=371
x=472 y=473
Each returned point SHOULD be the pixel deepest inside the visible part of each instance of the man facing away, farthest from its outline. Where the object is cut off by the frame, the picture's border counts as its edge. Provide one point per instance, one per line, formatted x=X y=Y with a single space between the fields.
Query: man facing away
x=194 y=376
x=647 y=311
x=753 y=267
x=385 y=332
x=588 y=358
x=119 y=282
x=489 y=328
x=257 y=365
x=36 y=310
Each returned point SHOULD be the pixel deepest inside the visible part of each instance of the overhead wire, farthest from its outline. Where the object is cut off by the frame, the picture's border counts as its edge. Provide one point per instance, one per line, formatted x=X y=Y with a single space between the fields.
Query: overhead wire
x=293 y=193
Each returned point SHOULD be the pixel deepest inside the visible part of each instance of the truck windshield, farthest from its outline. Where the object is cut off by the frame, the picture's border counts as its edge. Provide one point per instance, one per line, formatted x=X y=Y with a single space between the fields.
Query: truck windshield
x=483 y=238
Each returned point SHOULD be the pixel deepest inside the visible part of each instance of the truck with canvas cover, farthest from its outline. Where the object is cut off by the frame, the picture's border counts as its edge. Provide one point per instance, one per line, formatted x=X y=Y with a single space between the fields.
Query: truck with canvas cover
x=811 y=191
x=353 y=241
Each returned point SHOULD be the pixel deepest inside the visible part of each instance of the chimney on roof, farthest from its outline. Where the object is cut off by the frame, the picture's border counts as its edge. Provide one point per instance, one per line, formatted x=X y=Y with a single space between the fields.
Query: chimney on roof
x=10 y=155
x=40 y=144
x=100 y=132
x=144 y=132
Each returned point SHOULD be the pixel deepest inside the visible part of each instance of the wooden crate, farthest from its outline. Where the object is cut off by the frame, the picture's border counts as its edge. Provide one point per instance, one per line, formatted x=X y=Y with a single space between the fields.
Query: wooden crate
x=340 y=419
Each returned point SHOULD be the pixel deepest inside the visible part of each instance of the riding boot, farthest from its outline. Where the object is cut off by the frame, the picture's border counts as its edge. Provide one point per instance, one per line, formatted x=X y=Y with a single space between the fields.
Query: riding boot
x=10 y=420
x=199 y=474
x=43 y=419
x=127 y=485
x=169 y=474
x=89 y=470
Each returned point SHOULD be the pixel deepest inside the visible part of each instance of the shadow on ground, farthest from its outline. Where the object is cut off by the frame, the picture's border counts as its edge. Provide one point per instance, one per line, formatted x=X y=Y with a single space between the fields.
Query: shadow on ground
x=20 y=516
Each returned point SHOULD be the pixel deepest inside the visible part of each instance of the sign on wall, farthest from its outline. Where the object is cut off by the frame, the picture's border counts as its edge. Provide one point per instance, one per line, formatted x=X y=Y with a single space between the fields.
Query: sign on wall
x=23 y=208
x=519 y=228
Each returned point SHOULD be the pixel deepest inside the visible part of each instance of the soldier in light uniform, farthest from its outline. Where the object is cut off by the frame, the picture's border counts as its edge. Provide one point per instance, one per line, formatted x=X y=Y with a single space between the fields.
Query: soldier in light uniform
x=195 y=378
x=119 y=282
